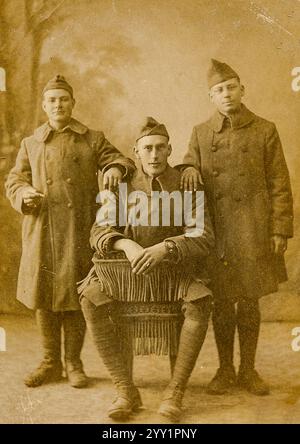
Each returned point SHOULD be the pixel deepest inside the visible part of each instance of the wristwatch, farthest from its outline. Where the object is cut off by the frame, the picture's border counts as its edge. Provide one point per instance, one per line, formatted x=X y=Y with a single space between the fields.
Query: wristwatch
x=171 y=250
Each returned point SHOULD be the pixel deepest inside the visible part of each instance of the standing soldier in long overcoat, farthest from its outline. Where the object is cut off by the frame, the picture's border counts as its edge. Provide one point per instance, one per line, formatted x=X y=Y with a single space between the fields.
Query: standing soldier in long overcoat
x=54 y=185
x=240 y=159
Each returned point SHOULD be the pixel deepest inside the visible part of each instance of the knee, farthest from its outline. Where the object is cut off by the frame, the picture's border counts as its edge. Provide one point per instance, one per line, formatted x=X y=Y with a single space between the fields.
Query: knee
x=93 y=312
x=248 y=311
x=73 y=321
x=86 y=305
x=198 y=310
x=223 y=311
x=248 y=306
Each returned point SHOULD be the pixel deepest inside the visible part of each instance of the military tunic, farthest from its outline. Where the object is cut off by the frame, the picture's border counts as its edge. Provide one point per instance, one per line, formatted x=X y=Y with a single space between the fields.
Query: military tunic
x=193 y=243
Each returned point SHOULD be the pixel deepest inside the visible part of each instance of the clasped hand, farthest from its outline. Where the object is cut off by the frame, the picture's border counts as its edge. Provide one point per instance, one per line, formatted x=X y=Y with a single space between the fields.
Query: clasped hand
x=142 y=260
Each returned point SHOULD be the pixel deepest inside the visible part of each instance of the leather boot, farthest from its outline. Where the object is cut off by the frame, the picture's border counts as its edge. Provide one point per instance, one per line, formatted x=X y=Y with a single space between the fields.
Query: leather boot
x=251 y=381
x=223 y=381
x=171 y=406
x=127 y=401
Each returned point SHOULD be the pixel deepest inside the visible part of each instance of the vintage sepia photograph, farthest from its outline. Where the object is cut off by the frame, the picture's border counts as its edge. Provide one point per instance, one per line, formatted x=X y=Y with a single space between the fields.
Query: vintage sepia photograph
x=149 y=213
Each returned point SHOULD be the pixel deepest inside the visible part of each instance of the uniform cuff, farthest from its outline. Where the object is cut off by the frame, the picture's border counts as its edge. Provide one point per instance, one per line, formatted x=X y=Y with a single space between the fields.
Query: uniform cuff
x=122 y=168
x=284 y=228
x=105 y=245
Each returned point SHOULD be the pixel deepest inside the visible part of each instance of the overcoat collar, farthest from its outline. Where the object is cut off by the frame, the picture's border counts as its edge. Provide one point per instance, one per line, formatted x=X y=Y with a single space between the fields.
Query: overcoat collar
x=168 y=180
x=41 y=134
x=238 y=120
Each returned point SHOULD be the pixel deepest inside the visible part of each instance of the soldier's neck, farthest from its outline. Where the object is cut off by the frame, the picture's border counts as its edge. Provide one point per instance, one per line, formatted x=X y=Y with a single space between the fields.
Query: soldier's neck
x=234 y=113
x=58 y=125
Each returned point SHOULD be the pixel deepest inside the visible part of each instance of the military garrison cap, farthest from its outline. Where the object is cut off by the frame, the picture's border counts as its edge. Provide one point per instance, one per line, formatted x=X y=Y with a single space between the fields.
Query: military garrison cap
x=58 y=82
x=152 y=128
x=219 y=72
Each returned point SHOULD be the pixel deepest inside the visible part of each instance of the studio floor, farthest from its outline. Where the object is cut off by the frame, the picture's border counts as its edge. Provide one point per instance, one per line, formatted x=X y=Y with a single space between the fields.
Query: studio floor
x=60 y=403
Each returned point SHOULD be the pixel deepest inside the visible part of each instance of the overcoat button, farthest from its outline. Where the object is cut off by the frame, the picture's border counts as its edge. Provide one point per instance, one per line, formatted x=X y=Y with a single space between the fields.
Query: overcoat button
x=69 y=180
x=244 y=149
x=215 y=173
x=214 y=148
x=70 y=205
x=75 y=158
x=218 y=195
x=49 y=182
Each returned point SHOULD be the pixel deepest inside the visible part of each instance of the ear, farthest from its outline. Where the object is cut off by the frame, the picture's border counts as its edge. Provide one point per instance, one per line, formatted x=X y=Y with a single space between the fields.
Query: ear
x=242 y=90
x=44 y=105
x=169 y=149
x=210 y=95
x=136 y=152
x=73 y=102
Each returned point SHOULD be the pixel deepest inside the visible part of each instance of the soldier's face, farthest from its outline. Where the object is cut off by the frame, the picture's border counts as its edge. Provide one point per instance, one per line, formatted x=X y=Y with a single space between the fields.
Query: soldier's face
x=153 y=152
x=227 y=96
x=58 y=105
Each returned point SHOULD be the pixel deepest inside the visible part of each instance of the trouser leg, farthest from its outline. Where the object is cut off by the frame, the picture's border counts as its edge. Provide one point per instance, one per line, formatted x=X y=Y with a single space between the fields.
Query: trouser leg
x=192 y=336
x=224 y=323
x=50 y=369
x=74 y=332
x=49 y=324
x=248 y=322
x=248 y=319
x=107 y=342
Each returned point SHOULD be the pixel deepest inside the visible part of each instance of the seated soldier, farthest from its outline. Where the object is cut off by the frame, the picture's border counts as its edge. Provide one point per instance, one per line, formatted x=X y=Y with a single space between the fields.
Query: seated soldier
x=146 y=247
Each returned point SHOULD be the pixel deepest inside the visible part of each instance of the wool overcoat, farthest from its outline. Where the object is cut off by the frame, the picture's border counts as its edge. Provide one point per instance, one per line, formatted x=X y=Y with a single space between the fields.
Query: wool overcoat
x=55 y=237
x=247 y=186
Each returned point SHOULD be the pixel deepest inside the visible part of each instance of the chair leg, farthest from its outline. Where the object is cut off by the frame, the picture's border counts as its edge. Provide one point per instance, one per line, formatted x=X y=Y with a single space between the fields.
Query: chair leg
x=129 y=363
x=172 y=359
x=128 y=356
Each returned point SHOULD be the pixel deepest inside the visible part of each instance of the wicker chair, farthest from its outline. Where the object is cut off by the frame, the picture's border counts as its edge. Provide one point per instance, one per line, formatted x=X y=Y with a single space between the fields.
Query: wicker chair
x=148 y=316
